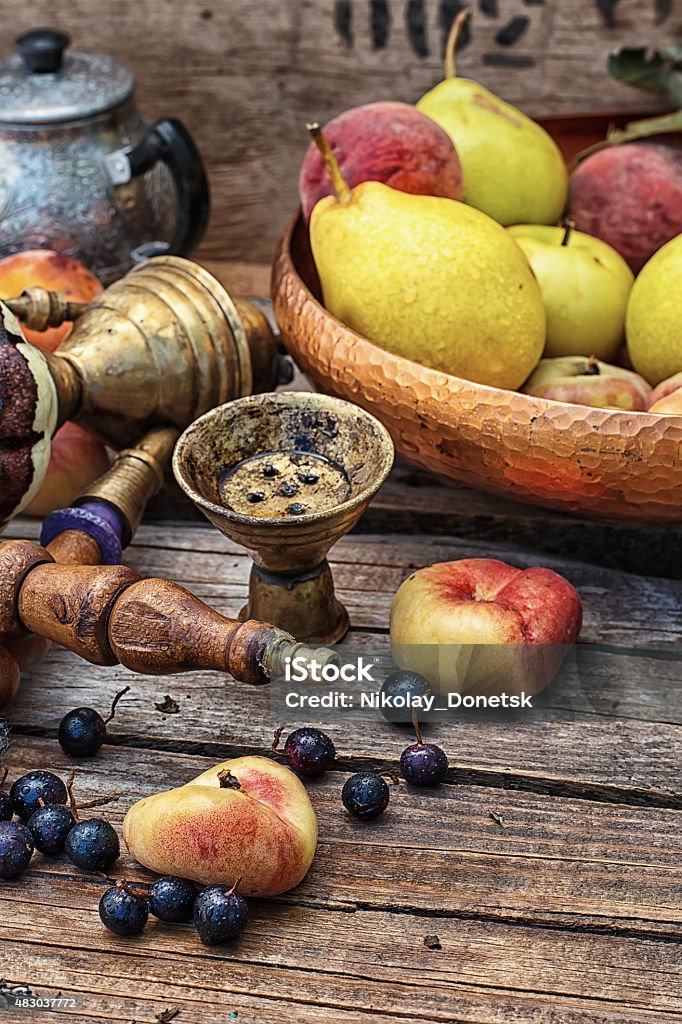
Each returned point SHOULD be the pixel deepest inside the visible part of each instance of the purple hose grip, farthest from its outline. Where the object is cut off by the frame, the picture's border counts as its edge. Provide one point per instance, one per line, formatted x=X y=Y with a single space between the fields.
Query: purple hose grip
x=99 y=520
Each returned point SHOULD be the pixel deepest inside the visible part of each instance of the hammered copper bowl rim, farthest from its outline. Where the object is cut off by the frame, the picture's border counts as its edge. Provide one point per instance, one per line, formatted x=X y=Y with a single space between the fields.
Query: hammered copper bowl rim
x=428 y=372
x=186 y=440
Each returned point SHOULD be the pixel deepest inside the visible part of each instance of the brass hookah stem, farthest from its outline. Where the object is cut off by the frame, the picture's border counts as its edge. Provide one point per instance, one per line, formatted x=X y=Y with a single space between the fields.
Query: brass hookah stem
x=39 y=309
x=103 y=520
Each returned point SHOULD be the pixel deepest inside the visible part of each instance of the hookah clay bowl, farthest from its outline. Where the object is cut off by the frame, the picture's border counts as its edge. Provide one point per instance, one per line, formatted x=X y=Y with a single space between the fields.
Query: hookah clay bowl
x=598 y=463
x=323 y=457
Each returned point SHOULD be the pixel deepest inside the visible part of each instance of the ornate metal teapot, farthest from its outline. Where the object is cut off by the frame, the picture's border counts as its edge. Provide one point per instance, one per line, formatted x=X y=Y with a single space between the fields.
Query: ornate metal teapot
x=81 y=172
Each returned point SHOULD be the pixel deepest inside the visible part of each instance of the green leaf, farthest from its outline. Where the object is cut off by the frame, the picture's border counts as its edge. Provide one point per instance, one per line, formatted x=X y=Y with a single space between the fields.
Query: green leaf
x=650 y=127
x=658 y=72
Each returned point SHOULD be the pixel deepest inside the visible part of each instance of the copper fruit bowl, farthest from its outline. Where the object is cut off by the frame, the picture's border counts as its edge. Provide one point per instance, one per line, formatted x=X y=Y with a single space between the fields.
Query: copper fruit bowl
x=598 y=463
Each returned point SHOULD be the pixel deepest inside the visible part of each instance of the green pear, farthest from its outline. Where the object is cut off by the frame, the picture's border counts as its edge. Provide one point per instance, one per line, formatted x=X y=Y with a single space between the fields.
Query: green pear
x=513 y=170
x=585 y=286
x=653 y=322
x=427 y=278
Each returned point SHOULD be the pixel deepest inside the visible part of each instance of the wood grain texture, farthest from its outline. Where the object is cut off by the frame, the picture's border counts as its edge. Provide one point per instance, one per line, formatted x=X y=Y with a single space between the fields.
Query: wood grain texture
x=626 y=746
x=247 y=77
x=569 y=914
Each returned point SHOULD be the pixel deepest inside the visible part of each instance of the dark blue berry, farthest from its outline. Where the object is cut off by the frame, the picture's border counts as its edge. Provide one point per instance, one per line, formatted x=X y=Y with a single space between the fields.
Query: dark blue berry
x=49 y=826
x=402 y=686
x=6 y=810
x=365 y=795
x=172 y=899
x=82 y=732
x=16 y=848
x=122 y=912
x=219 y=914
x=309 y=751
x=423 y=764
x=35 y=789
x=92 y=845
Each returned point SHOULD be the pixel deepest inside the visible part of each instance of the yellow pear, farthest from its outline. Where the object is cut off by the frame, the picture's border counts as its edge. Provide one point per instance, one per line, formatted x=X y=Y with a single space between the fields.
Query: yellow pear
x=513 y=170
x=653 y=321
x=427 y=278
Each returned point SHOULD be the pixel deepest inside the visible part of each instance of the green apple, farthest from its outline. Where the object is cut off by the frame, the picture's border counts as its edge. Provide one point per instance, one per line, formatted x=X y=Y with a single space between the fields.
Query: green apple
x=585 y=286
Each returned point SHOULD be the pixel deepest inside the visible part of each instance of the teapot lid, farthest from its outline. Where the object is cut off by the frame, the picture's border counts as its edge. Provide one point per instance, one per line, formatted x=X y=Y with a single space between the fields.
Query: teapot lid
x=42 y=84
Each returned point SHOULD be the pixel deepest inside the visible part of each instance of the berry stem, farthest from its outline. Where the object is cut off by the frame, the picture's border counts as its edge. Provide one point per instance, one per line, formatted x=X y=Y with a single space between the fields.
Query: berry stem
x=454 y=36
x=339 y=183
x=233 y=890
x=114 y=703
x=277 y=735
x=72 y=800
x=417 y=729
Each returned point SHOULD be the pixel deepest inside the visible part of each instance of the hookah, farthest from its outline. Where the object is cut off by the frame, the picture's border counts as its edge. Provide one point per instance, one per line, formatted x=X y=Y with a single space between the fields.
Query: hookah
x=145 y=359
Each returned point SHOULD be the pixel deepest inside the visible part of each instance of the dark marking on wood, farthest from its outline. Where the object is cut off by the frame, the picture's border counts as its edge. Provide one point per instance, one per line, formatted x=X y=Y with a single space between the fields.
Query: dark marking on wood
x=447 y=12
x=663 y=10
x=343 y=21
x=513 y=30
x=206 y=15
x=379 y=23
x=489 y=8
x=415 y=21
x=507 y=60
x=607 y=10
x=534 y=3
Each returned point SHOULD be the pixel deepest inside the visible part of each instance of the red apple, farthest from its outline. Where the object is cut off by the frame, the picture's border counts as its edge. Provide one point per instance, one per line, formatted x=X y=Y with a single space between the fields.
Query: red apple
x=484 y=627
x=630 y=196
x=249 y=818
x=77 y=458
x=666 y=398
x=584 y=380
x=667 y=387
x=389 y=142
x=55 y=272
x=671 y=405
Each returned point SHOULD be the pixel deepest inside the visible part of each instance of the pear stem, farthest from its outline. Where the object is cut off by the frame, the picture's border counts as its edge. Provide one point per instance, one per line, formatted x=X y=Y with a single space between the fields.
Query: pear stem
x=568 y=230
x=339 y=183
x=454 y=36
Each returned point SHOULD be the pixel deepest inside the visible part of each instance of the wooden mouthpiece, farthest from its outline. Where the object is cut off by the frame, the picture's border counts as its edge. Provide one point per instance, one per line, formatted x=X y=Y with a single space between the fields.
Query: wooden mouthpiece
x=108 y=615
x=74 y=547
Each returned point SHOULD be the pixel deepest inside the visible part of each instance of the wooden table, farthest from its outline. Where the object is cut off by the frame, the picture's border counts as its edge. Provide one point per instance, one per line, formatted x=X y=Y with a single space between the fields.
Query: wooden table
x=568 y=915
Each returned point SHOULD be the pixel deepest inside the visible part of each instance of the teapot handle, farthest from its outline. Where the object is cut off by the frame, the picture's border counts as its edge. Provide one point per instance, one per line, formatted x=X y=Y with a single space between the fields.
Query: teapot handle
x=169 y=141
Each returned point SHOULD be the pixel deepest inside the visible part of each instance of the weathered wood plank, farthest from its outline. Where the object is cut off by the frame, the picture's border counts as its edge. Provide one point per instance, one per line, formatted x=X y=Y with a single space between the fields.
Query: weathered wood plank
x=620 y=608
x=246 y=78
x=596 y=685
x=565 y=915
x=121 y=984
x=368 y=958
x=559 y=862
x=415 y=502
x=622 y=760
x=625 y=761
